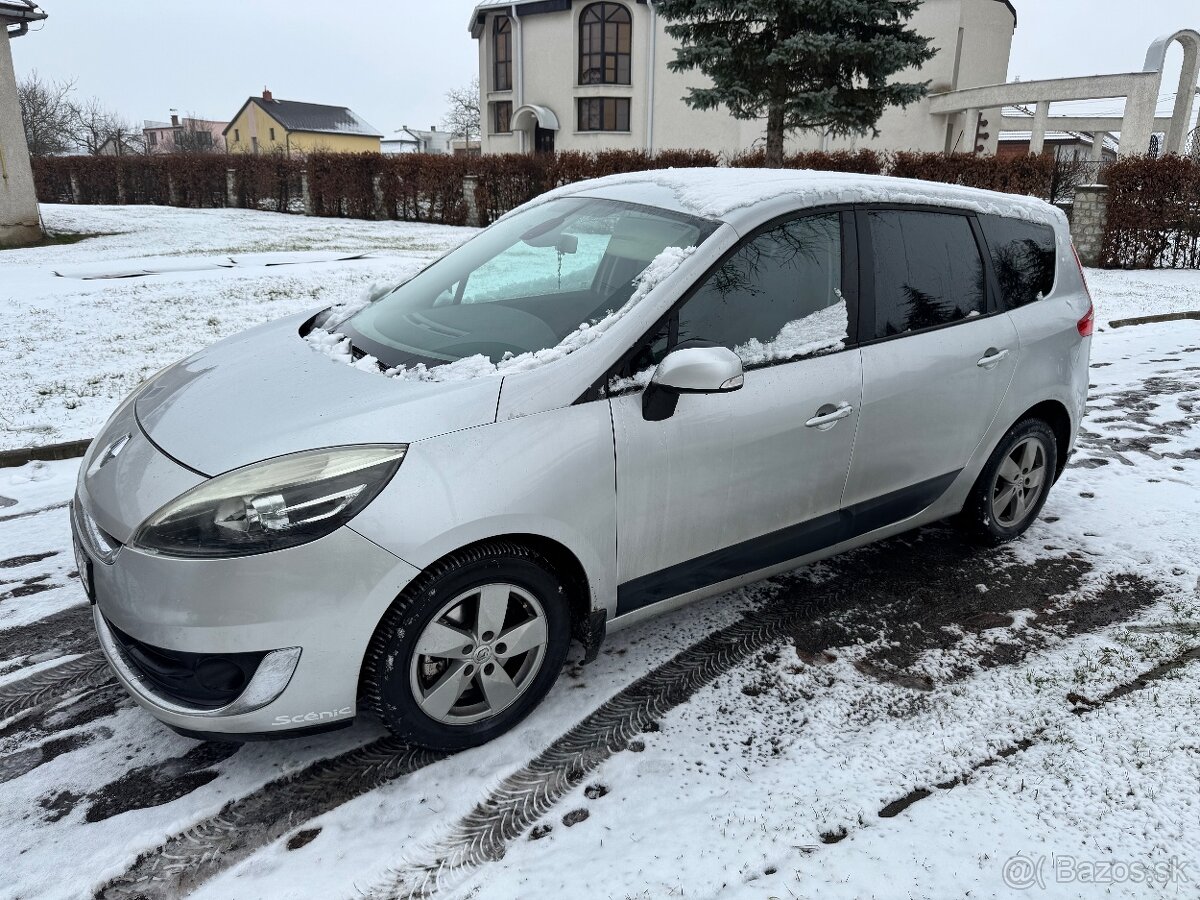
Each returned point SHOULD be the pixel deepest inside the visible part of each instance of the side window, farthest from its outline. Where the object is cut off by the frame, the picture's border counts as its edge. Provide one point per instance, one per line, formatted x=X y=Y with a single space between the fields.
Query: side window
x=1024 y=257
x=778 y=298
x=928 y=271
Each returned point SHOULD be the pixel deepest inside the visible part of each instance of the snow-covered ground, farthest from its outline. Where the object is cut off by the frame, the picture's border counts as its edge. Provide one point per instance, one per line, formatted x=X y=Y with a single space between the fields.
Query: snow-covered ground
x=80 y=328
x=903 y=721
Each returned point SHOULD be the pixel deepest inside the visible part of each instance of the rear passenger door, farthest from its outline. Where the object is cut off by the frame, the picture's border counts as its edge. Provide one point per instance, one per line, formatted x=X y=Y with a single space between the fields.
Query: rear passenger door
x=938 y=356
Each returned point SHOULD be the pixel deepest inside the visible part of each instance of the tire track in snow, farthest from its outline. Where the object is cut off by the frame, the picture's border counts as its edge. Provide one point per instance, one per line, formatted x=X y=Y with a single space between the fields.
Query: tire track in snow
x=53 y=684
x=528 y=794
x=525 y=796
x=65 y=632
x=249 y=823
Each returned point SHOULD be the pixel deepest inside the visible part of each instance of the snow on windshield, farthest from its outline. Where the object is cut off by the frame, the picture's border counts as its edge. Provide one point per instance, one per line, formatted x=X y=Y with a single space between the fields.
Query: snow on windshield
x=337 y=346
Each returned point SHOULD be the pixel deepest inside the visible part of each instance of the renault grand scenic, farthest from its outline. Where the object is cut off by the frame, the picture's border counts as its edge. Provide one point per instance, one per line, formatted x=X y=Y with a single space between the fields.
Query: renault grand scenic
x=626 y=395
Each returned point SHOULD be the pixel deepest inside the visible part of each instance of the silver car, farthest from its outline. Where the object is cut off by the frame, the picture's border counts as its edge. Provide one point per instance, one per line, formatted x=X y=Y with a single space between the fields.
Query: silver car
x=626 y=395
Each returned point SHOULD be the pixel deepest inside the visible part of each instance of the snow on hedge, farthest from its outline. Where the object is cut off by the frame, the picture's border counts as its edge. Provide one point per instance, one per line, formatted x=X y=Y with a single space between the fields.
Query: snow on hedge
x=337 y=346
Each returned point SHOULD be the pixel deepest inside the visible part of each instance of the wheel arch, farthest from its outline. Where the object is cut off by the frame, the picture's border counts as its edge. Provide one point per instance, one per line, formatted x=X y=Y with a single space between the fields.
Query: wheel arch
x=566 y=564
x=1055 y=414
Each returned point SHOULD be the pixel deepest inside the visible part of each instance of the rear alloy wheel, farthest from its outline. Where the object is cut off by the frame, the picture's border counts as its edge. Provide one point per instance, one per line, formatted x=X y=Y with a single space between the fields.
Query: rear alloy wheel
x=1013 y=486
x=1018 y=483
x=470 y=648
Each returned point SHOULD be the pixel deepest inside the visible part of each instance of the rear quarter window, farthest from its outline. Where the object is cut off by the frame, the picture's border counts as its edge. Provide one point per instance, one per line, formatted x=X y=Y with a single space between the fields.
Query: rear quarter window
x=1024 y=256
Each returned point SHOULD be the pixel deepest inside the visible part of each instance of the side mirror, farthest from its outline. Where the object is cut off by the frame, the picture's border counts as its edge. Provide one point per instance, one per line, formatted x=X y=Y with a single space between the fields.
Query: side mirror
x=693 y=370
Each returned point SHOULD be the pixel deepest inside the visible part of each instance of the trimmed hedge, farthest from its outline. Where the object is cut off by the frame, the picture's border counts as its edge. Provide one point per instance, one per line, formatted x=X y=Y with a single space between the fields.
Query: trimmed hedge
x=1154 y=205
x=1153 y=214
x=430 y=188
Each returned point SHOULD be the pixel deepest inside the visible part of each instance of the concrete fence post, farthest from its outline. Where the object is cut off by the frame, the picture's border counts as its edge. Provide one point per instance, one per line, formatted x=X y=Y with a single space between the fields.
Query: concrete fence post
x=172 y=191
x=305 y=195
x=470 y=182
x=76 y=196
x=231 y=197
x=377 y=190
x=1089 y=218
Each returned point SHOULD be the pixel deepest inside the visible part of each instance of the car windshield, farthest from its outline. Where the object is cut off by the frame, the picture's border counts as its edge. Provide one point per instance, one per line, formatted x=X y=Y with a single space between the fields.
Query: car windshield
x=522 y=285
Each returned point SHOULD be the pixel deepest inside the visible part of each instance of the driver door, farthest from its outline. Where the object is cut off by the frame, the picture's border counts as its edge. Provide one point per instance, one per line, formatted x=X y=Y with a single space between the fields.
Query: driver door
x=733 y=483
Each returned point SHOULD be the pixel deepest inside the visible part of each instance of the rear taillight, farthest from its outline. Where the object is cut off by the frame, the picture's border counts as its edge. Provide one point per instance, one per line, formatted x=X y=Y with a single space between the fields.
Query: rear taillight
x=1087 y=324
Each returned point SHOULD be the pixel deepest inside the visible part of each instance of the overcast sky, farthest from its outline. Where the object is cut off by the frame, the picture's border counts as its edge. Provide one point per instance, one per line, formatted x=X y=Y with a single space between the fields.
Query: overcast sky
x=392 y=61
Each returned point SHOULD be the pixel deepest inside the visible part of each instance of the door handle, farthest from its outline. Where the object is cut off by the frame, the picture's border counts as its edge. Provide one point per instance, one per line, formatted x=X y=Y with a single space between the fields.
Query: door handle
x=829 y=415
x=992 y=358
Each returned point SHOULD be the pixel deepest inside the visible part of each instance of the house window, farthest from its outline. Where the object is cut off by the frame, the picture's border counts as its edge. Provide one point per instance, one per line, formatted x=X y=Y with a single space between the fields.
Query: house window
x=502 y=53
x=502 y=117
x=605 y=44
x=237 y=136
x=604 y=114
x=153 y=136
x=272 y=134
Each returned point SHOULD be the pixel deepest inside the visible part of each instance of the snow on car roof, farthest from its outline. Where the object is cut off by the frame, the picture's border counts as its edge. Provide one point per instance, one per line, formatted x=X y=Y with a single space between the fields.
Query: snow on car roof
x=737 y=195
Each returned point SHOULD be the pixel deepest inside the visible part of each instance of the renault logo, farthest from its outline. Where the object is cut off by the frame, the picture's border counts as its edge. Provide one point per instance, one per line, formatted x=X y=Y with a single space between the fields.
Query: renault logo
x=112 y=451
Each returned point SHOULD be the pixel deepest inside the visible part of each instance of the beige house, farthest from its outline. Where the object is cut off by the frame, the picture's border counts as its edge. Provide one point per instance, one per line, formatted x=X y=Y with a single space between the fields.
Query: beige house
x=19 y=219
x=585 y=75
x=267 y=125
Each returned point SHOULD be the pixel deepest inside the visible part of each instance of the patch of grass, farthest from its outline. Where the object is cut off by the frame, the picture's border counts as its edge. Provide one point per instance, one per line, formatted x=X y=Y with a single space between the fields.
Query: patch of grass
x=63 y=238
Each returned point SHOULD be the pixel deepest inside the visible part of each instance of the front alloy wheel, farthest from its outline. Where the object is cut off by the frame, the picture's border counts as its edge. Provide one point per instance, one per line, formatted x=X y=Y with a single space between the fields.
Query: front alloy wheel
x=470 y=648
x=479 y=653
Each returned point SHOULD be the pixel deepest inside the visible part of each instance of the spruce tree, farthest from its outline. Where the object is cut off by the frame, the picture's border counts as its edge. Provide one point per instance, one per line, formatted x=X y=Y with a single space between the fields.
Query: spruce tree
x=801 y=64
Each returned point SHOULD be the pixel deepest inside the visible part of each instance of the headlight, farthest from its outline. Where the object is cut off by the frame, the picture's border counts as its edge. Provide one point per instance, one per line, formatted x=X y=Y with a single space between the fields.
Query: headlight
x=270 y=505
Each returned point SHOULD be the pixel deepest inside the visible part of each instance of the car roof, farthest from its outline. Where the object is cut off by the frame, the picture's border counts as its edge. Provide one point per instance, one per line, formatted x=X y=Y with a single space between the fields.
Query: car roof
x=745 y=198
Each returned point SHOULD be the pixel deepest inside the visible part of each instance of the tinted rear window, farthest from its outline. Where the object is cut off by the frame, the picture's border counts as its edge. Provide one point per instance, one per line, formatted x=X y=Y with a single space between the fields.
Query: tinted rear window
x=928 y=271
x=1024 y=257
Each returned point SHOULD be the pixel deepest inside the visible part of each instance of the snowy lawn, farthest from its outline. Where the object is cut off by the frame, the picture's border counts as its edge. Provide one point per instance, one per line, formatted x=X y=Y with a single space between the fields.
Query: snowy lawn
x=903 y=721
x=79 y=328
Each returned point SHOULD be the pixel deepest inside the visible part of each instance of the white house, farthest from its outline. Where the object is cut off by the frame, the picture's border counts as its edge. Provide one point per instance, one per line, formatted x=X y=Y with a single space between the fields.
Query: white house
x=586 y=75
x=414 y=140
x=19 y=219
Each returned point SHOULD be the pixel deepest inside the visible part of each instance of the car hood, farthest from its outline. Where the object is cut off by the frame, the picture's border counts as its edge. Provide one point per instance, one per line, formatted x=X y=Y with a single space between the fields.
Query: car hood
x=266 y=392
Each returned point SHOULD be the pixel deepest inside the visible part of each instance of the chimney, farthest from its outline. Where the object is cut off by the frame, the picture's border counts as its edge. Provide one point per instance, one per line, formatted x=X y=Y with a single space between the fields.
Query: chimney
x=174 y=120
x=433 y=128
x=267 y=95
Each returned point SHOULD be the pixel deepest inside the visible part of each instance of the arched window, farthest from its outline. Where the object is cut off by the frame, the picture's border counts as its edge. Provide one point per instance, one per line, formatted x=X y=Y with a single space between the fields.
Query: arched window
x=605 y=44
x=502 y=53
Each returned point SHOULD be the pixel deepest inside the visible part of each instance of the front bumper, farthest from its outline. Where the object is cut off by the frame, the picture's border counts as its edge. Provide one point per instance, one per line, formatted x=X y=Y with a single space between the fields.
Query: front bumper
x=303 y=615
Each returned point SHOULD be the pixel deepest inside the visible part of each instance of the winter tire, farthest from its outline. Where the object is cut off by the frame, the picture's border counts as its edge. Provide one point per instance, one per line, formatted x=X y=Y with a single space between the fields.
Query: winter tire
x=1013 y=486
x=470 y=648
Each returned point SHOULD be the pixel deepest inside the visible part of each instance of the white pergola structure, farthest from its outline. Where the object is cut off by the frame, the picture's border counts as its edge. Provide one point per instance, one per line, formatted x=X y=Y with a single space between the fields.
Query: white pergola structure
x=1140 y=90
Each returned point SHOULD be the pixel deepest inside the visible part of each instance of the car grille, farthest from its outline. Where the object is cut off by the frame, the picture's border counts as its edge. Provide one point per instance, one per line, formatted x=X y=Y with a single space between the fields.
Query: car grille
x=199 y=680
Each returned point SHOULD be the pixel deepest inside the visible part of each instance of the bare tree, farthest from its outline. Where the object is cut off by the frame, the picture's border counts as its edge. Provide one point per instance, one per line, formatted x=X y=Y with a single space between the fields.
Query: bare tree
x=96 y=126
x=463 y=119
x=49 y=113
